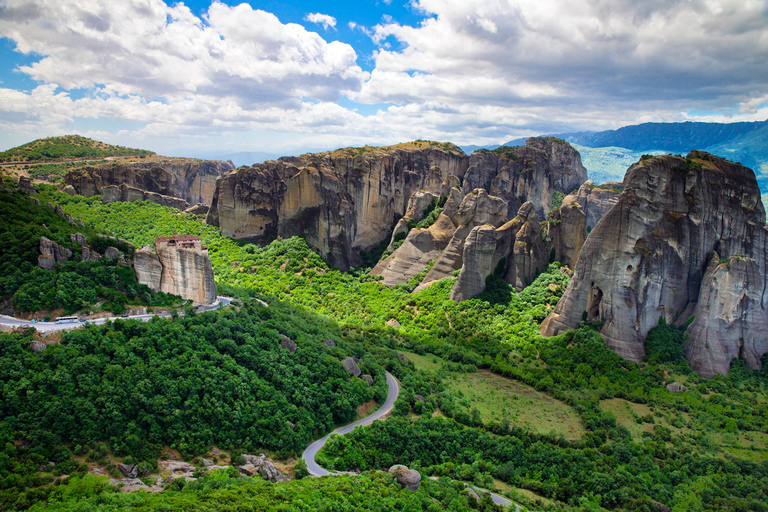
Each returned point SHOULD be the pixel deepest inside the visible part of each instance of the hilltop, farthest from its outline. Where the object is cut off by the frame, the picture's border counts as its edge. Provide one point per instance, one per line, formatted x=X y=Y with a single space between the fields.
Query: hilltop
x=67 y=147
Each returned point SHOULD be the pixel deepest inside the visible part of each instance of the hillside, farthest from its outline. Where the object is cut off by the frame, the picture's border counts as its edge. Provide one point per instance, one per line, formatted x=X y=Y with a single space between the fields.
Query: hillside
x=634 y=428
x=66 y=147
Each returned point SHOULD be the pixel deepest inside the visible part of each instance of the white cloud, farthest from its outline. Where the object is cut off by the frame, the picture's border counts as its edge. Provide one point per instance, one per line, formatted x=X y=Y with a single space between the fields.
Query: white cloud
x=323 y=19
x=473 y=71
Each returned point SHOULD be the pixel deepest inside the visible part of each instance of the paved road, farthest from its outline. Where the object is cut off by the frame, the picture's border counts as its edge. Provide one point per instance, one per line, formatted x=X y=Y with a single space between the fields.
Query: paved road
x=53 y=326
x=311 y=451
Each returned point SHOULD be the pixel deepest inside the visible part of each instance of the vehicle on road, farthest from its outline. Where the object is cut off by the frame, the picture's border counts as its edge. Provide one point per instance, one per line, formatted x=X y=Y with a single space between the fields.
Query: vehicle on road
x=66 y=319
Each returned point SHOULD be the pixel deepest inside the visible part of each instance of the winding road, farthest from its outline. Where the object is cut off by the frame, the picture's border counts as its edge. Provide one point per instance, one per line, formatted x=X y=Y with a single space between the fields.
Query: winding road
x=311 y=451
x=394 y=390
x=53 y=326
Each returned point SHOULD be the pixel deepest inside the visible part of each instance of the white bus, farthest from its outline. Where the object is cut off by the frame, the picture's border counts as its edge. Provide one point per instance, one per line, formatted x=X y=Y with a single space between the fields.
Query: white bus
x=66 y=319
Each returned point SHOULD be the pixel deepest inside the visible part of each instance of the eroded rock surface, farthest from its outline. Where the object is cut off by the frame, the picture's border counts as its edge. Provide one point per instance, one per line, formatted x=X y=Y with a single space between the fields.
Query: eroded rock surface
x=653 y=255
x=180 y=266
x=189 y=180
x=341 y=201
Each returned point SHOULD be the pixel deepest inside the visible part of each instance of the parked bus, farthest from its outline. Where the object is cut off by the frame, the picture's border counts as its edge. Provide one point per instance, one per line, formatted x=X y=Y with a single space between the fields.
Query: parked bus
x=66 y=319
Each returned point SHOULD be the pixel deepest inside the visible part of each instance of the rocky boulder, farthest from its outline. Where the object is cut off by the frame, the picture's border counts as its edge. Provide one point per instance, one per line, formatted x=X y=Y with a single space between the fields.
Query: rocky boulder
x=658 y=252
x=676 y=387
x=287 y=343
x=129 y=470
x=368 y=379
x=350 y=365
x=51 y=253
x=407 y=478
x=25 y=185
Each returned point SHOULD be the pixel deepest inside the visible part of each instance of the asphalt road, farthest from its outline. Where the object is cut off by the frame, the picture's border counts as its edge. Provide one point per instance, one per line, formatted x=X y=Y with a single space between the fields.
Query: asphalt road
x=53 y=326
x=311 y=451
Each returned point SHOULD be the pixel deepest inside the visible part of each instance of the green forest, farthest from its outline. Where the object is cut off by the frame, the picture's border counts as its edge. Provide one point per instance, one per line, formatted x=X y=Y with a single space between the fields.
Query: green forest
x=221 y=378
x=73 y=285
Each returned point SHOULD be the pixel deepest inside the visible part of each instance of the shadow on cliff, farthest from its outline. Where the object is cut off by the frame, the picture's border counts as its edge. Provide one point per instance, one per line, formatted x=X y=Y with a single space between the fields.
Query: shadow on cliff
x=497 y=291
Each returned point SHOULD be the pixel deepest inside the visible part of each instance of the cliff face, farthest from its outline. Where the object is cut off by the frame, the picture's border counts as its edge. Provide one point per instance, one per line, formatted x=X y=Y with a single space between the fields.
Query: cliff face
x=341 y=201
x=651 y=256
x=178 y=270
x=526 y=173
x=496 y=185
x=191 y=181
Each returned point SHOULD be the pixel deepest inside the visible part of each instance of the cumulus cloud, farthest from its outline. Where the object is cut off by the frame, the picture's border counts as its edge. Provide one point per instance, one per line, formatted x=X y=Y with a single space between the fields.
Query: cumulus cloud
x=167 y=52
x=323 y=19
x=615 y=60
x=472 y=71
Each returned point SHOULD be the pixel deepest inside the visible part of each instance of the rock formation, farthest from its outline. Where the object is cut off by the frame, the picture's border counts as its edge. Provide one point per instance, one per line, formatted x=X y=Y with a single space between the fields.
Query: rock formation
x=287 y=343
x=192 y=181
x=180 y=266
x=408 y=478
x=526 y=173
x=515 y=250
x=496 y=184
x=125 y=193
x=51 y=253
x=350 y=365
x=341 y=201
x=25 y=185
x=687 y=235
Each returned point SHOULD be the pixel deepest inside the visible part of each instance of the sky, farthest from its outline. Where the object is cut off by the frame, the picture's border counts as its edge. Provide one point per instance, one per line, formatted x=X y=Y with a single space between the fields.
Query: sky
x=201 y=78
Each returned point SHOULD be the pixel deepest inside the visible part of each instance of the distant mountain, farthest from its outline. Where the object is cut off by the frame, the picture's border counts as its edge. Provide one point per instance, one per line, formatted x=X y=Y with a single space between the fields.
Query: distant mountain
x=673 y=137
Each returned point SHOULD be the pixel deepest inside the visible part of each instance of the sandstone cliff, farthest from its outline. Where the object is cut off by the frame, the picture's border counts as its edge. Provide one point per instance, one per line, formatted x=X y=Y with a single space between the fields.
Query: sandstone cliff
x=651 y=256
x=341 y=201
x=508 y=178
x=526 y=173
x=189 y=180
x=180 y=266
x=516 y=250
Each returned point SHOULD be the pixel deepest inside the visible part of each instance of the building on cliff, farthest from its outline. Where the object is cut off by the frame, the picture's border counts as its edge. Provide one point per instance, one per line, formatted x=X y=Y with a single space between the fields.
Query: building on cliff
x=180 y=266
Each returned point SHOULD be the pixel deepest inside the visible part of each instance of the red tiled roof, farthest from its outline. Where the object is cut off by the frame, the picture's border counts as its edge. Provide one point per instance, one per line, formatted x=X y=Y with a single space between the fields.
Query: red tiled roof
x=177 y=238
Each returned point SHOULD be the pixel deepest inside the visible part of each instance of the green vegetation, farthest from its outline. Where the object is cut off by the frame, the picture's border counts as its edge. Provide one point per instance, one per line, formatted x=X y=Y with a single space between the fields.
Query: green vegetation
x=557 y=200
x=66 y=147
x=704 y=449
x=226 y=491
x=71 y=286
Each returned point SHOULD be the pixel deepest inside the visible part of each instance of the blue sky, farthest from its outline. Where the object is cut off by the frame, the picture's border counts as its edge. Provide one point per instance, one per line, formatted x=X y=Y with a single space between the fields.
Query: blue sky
x=206 y=78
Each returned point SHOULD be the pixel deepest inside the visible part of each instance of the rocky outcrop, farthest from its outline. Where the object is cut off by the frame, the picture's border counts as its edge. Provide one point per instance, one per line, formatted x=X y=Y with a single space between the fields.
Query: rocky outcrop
x=287 y=343
x=179 y=266
x=25 y=185
x=420 y=245
x=676 y=387
x=515 y=251
x=350 y=365
x=730 y=321
x=477 y=208
x=512 y=177
x=51 y=253
x=125 y=193
x=596 y=200
x=653 y=255
x=526 y=173
x=198 y=209
x=260 y=465
x=192 y=181
x=567 y=231
x=129 y=470
x=341 y=201
x=407 y=478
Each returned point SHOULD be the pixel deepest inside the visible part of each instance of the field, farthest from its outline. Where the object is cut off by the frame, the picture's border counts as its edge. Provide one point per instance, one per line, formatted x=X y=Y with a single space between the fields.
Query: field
x=505 y=400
